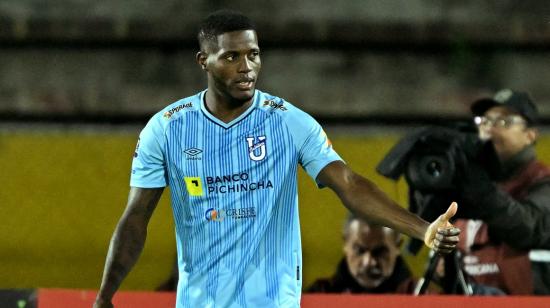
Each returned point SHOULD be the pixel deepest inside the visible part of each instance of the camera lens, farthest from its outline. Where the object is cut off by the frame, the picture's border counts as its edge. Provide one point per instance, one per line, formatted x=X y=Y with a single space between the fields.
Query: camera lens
x=431 y=172
x=434 y=168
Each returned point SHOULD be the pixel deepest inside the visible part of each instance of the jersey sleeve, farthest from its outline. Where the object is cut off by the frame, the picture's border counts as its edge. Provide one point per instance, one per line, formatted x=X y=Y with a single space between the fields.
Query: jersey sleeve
x=314 y=147
x=148 y=165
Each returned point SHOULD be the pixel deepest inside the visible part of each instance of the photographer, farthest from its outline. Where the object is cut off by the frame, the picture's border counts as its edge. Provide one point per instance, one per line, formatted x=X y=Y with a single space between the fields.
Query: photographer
x=508 y=209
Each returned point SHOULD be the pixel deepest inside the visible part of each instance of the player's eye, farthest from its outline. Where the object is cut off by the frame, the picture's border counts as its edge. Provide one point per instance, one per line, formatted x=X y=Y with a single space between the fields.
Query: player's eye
x=230 y=57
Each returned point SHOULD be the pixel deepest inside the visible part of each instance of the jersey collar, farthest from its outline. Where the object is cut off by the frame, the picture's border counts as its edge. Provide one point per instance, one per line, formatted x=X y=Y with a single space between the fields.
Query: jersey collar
x=212 y=118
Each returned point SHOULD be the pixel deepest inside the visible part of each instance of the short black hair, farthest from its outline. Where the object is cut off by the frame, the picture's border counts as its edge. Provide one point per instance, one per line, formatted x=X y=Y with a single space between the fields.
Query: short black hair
x=220 y=22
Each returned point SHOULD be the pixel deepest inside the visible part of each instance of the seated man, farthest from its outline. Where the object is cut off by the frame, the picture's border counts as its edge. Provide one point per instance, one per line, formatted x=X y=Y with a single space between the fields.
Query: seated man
x=372 y=262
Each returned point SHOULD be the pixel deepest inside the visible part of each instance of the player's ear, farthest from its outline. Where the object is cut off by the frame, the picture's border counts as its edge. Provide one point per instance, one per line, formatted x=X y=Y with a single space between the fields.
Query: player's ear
x=201 y=59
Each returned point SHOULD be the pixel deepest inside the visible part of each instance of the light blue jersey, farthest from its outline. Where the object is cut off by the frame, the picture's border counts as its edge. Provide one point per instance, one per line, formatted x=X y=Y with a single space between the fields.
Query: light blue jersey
x=234 y=197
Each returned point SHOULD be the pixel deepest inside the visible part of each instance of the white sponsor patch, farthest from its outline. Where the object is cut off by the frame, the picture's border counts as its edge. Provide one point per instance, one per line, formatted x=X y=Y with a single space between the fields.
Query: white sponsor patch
x=481 y=269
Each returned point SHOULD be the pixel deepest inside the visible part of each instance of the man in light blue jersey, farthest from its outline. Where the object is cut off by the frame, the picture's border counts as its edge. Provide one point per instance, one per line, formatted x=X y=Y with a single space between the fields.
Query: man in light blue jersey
x=230 y=155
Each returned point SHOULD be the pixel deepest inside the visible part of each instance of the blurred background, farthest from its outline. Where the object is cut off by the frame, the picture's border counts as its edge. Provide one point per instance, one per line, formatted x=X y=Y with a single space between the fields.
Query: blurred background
x=80 y=78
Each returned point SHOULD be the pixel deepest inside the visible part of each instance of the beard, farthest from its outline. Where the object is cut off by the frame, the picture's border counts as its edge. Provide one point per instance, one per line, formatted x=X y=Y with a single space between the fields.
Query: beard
x=233 y=96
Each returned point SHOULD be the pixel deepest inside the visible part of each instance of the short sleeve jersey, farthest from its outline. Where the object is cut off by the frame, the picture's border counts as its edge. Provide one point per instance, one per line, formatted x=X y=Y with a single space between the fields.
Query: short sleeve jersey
x=234 y=197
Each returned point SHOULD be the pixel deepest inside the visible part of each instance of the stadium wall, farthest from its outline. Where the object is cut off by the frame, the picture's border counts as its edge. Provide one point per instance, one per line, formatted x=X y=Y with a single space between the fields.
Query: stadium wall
x=63 y=192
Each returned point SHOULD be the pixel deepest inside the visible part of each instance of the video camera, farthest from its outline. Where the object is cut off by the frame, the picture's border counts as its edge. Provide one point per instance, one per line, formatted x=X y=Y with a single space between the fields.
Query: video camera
x=432 y=159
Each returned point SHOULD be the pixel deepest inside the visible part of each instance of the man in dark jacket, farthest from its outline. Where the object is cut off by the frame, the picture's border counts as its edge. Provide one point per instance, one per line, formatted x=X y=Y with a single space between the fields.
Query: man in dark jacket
x=509 y=207
x=371 y=263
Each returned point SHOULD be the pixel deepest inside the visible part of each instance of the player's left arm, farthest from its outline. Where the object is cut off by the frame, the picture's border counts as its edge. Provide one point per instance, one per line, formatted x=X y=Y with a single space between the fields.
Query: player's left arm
x=366 y=200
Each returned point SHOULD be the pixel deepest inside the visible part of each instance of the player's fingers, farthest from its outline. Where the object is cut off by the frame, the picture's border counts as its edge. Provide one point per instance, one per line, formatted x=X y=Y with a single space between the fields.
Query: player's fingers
x=449 y=231
x=443 y=246
x=451 y=211
x=451 y=240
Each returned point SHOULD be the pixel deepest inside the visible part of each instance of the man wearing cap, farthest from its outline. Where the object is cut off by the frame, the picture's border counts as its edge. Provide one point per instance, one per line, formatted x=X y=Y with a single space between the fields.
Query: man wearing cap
x=511 y=224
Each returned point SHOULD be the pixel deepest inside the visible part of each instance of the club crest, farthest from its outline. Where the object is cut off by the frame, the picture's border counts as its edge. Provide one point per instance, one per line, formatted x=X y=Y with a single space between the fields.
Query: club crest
x=256 y=148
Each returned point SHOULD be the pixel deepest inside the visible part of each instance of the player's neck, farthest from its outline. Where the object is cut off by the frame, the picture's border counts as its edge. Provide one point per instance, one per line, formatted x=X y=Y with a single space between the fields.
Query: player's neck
x=224 y=109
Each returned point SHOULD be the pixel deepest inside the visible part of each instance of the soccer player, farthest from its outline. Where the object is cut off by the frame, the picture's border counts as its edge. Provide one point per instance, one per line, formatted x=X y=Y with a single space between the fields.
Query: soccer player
x=230 y=155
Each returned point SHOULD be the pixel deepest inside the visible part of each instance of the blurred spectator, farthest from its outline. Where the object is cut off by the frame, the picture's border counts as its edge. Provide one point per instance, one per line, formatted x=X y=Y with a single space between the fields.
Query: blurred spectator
x=371 y=263
x=508 y=207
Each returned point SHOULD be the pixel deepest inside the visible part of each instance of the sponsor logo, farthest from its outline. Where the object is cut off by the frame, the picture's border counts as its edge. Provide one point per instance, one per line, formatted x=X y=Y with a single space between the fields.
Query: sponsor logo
x=220 y=215
x=474 y=267
x=274 y=105
x=256 y=150
x=481 y=269
x=226 y=184
x=168 y=114
x=470 y=259
x=214 y=215
x=137 y=148
x=232 y=183
x=193 y=153
x=194 y=186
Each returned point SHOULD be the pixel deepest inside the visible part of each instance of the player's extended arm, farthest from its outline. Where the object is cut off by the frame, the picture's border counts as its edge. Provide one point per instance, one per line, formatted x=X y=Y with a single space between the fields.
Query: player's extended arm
x=127 y=241
x=364 y=199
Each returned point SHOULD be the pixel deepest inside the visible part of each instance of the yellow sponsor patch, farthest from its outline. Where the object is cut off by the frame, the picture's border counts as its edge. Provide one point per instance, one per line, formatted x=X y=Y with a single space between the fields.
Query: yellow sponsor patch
x=194 y=186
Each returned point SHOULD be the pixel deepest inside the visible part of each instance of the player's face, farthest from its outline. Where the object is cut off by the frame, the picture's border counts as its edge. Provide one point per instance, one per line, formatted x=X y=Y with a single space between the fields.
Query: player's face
x=233 y=65
x=507 y=131
x=371 y=253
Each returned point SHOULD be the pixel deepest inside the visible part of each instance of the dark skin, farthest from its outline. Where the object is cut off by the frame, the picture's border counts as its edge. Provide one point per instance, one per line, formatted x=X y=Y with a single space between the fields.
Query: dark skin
x=232 y=65
x=127 y=241
x=356 y=192
x=232 y=68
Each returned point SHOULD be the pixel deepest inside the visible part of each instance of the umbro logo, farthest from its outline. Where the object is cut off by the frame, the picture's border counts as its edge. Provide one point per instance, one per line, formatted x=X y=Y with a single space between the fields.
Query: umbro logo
x=193 y=153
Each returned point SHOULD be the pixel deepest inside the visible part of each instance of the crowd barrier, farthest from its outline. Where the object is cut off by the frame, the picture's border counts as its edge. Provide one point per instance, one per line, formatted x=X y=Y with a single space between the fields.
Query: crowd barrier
x=57 y=298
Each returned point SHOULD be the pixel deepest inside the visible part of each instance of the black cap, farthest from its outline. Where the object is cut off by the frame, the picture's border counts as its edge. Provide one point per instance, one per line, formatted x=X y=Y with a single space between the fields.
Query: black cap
x=519 y=102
